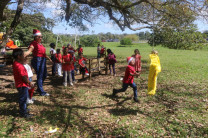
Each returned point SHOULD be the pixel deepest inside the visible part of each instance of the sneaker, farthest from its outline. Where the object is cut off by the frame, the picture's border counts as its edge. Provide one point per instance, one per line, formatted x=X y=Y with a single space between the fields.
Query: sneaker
x=114 y=92
x=65 y=84
x=60 y=75
x=136 y=100
x=87 y=74
x=29 y=101
x=27 y=116
x=47 y=94
x=71 y=84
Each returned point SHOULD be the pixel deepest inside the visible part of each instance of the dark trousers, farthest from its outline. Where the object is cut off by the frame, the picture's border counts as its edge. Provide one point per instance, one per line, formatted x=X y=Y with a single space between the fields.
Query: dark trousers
x=83 y=70
x=113 y=66
x=39 y=65
x=23 y=94
x=54 y=65
x=125 y=86
x=72 y=75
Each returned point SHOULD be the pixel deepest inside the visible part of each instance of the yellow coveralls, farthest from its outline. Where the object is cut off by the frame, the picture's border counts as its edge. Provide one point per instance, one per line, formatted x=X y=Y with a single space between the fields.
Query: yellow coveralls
x=155 y=68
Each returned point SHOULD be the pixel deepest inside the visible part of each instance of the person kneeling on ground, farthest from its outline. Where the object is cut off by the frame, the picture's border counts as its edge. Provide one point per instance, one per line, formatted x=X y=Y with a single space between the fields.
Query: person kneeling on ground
x=128 y=79
x=83 y=68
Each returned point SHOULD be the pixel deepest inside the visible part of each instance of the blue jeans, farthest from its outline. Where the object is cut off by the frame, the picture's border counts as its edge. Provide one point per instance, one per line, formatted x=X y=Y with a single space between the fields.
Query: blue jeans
x=113 y=66
x=23 y=94
x=39 y=65
x=72 y=75
x=125 y=86
x=98 y=54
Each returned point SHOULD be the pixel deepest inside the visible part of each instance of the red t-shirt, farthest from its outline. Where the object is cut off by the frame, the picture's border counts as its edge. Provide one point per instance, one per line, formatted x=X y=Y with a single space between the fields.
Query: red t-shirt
x=58 y=58
x=137 y=62
x=66 y=66
x=39 y=50
x=80 y=50
x=73 y=61
x=102 y=50
x=19 y=71
x=128 y=78
x=81 y=61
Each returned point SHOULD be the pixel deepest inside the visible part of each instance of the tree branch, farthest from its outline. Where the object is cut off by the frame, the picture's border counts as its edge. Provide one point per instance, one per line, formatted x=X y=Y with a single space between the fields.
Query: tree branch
x=15 y=22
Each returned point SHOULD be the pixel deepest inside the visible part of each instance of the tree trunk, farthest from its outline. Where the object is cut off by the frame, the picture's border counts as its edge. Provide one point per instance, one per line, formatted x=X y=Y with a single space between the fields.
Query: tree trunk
x=3 y=4
x=15 y=22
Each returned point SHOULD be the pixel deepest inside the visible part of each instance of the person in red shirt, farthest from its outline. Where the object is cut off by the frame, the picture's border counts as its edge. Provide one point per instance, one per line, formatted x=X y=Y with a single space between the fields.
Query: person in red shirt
x=73 y=59
x=63 y=48
x=21 y=81
x=58 y=62
x=39 y=60
x=102 y=51
x=137 y=57
x=70 y=47
x=66 y=67
x=128 y=79
x=80 y=50
x=111 y=61
x=83 y=68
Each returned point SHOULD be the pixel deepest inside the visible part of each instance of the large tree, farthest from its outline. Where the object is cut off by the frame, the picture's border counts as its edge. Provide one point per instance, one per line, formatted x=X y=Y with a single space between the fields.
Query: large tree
x=132 y=14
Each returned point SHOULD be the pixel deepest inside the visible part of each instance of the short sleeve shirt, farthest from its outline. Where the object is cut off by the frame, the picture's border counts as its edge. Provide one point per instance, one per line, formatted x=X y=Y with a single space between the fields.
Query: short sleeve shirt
x=19 y=71
x=39 y=49
x=128 y=78
x=74 y=60
x=82 y=61
x=29 y=70
x=102 y=50
x=80 y=50
x=66 y=66
x=54 y=51
x=58 y=56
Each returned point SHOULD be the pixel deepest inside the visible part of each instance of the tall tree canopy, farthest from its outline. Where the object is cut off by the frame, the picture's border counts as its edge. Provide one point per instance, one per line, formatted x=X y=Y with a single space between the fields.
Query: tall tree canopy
x=132 y=14
x=125 y=13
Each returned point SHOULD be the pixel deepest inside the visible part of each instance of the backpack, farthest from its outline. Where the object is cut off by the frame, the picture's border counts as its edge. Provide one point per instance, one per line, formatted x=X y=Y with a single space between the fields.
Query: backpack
x=112 y=58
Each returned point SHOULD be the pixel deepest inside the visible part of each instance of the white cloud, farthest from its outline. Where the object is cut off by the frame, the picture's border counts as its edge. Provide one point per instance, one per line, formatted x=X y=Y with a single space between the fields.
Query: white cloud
x=109 y=25
x=57 y=12
x=54 y=4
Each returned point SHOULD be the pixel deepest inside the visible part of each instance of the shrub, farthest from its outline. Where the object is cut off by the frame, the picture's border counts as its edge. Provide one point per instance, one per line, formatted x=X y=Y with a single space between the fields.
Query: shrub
x=90 y=40
x=126 y=41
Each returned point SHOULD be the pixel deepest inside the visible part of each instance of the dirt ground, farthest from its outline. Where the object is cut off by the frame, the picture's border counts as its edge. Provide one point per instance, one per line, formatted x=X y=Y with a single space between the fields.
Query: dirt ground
x=88 y=110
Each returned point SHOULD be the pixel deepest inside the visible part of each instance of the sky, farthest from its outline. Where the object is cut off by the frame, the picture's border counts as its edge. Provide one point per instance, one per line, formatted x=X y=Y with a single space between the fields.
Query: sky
x=51 y=10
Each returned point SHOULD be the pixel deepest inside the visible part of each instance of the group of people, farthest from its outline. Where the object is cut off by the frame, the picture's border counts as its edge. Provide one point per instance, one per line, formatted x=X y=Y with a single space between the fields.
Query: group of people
x=23 y=73
x=65 y=66
x=66 y=63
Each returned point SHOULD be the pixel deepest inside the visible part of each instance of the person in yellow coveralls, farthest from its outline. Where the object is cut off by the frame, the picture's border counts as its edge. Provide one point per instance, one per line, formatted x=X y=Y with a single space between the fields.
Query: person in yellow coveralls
x=155 y=68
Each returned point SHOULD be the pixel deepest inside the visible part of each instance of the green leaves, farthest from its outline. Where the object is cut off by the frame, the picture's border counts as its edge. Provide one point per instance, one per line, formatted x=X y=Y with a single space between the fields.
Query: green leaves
x=90 y=40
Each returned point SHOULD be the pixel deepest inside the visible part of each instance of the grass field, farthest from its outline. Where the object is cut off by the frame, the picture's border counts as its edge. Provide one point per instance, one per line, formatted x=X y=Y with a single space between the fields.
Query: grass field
x=179 y=108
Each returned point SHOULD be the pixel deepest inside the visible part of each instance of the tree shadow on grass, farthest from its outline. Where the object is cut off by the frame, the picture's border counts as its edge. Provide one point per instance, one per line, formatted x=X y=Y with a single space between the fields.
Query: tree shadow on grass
x=123 y=111
x=10 y=111
x=9 y=97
